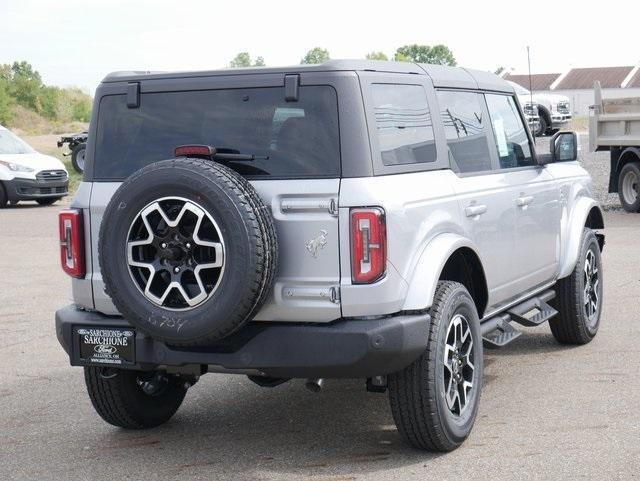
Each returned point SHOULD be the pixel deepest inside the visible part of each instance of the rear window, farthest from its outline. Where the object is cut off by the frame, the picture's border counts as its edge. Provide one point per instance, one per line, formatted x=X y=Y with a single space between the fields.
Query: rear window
x=299 y=139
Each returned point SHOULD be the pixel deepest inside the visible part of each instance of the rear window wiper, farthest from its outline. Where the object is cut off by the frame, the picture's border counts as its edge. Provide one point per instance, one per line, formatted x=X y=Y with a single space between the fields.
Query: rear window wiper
x=216 y=153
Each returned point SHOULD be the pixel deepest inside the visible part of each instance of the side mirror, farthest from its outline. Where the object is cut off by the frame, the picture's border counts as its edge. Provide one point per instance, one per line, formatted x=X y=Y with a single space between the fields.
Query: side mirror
x=563 y=148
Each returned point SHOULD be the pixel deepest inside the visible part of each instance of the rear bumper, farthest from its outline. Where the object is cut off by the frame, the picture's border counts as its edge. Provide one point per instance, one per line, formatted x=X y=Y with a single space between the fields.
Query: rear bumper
x=27 y=189
x=344 y=349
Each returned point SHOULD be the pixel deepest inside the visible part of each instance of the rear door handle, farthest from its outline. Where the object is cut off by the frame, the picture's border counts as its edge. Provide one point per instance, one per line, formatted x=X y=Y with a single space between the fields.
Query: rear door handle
x=524 y=200
x=474 y=210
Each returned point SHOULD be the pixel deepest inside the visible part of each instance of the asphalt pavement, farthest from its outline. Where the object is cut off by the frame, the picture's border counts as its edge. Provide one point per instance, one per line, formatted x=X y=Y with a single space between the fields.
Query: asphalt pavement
x=547 y=411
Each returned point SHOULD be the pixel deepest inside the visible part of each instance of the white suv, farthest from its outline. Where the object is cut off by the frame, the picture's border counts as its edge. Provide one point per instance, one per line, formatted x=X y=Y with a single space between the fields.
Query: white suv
x=373 y=220
x=28 y=175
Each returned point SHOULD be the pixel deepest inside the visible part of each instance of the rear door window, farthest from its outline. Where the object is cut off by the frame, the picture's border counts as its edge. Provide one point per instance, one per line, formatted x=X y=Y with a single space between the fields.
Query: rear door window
x=465 y=126
x=299 y=139
x=404 y=125
x=512 y=141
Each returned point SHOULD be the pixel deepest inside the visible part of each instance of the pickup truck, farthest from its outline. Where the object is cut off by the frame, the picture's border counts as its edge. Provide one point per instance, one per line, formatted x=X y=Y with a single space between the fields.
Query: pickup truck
x=554 y=111
x=614 y=126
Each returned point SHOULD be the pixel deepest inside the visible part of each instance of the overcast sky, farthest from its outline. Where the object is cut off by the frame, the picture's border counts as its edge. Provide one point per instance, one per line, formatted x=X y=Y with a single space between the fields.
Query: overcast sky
x=77 y=42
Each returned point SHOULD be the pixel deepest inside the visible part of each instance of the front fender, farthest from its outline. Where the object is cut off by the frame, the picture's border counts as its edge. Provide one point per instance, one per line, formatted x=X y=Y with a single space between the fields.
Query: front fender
x=573 y=234
x=422 y=284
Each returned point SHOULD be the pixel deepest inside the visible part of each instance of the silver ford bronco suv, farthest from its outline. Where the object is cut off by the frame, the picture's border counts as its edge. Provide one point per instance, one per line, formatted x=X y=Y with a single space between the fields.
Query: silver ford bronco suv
x=355 y=219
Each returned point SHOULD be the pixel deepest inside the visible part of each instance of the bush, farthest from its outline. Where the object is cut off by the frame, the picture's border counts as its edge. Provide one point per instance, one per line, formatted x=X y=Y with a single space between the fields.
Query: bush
x=21 y=85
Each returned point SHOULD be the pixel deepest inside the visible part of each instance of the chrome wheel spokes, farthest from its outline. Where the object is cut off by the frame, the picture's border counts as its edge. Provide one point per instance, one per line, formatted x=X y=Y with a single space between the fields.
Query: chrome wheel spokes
x=458 y=364
x=591 y=285
x=175 y=253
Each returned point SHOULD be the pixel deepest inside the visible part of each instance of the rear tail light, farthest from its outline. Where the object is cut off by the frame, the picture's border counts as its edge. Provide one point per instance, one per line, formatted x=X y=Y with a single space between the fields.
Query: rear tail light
x=368 y=245
x=71 y=242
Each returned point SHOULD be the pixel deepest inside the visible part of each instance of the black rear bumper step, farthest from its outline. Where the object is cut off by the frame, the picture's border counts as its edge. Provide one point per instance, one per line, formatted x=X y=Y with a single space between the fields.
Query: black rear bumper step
x=498 y=332
x=348 y=348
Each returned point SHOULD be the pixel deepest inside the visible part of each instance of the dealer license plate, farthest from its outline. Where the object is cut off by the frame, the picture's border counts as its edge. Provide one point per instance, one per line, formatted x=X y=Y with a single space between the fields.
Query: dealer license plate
x=106 y=346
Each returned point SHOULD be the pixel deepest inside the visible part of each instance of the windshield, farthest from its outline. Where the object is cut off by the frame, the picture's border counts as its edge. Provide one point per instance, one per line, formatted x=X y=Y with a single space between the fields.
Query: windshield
x=288 y=139
x=520 y=90
x=11 y=144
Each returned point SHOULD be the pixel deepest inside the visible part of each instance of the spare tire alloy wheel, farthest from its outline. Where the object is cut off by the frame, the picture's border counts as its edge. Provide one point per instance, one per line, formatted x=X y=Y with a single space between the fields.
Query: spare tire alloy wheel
x=188 y=251
x=169 y=259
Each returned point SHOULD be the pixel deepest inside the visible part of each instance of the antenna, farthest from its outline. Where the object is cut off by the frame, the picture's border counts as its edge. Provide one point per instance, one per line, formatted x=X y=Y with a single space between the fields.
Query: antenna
x=530 y=84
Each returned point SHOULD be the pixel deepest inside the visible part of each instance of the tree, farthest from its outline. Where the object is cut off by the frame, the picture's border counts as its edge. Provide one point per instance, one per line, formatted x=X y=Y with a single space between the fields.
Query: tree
x=243 y=59
x=6 y=102
x=377 y=56
x=315 y=55
x=437 y=54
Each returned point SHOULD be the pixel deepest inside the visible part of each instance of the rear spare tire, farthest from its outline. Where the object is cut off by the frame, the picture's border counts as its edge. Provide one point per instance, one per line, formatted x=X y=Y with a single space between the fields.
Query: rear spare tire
x=187 y=250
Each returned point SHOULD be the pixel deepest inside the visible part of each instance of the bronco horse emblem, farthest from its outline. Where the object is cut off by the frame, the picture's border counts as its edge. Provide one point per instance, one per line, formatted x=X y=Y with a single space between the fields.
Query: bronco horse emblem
x=318 y=243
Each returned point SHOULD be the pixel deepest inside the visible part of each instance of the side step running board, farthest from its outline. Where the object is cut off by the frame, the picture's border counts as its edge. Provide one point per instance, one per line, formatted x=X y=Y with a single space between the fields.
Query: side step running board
x=535 y=311
x=501 y=335
x=498 y=332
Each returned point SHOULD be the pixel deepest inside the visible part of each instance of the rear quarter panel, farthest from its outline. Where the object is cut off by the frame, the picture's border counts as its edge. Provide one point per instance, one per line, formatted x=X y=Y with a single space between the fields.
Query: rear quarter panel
x=418 y=207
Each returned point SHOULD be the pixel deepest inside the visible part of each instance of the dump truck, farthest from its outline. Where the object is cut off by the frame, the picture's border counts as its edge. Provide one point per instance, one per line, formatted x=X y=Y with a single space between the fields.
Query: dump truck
x=614 y=126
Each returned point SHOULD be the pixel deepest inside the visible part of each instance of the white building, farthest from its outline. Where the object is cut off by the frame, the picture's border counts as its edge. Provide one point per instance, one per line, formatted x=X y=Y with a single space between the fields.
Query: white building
x=577 y=84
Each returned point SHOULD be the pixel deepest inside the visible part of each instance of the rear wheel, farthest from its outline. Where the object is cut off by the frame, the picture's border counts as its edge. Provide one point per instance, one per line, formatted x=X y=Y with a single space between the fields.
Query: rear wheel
x=134 y=399
x=628 y=187
x=435 y=400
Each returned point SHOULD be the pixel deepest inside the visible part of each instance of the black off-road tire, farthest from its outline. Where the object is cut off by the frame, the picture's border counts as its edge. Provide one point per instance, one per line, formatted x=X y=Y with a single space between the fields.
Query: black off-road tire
x=629 y=198
x=251 y=250
x=542 y=128
x=118 y=399
x=78 y=157
x=48 y=200
x=417 y=393
x=572 y=325
x=3 y=197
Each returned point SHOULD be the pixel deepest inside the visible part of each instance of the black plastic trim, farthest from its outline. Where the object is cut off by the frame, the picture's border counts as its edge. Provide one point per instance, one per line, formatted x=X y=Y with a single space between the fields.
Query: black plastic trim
x=13 y=189
x=353 y=348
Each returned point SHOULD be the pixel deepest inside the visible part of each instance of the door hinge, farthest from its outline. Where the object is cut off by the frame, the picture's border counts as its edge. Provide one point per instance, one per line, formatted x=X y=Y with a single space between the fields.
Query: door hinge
x=333 y=207
x=335 y=294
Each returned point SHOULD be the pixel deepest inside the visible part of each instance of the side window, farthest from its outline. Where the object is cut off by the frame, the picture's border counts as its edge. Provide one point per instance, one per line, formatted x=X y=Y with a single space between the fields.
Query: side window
x=466 y=130
x=403 y=121
x=511 y=137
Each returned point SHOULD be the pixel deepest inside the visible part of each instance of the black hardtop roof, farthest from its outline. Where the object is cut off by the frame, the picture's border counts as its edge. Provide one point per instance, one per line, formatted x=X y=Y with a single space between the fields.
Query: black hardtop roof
x=442 y=76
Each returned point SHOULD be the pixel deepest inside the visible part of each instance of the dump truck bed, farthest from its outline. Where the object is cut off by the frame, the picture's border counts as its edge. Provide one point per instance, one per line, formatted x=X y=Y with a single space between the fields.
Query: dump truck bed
x=613 y=122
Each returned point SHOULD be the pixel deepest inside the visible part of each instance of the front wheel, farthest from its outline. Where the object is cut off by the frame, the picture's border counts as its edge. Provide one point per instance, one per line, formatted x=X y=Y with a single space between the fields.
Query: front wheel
x=628 y=187
x=134 y=399
x=542 y=127
x=434 y=401
x=579 y=296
